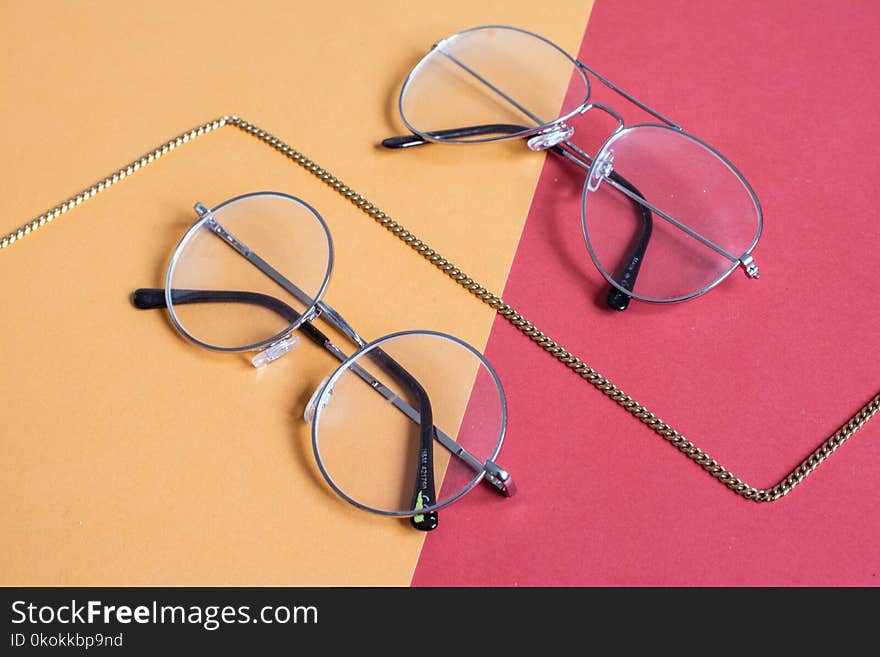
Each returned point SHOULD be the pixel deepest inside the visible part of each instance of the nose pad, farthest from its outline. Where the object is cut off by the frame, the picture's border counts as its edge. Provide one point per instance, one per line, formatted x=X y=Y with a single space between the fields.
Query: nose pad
x=602 y=168
x=312 y=407
x=550 y=137
x=275 y=351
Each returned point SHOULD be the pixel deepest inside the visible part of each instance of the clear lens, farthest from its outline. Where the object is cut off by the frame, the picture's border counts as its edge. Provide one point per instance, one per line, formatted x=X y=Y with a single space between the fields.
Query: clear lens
x=718 y=215
x=491 y=76
x=366 y=431
x=245 y=274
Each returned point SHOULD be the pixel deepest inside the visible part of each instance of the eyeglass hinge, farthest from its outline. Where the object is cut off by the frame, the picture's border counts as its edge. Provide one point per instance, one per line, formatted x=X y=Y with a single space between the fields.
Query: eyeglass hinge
x=500 y=478
x=339 y=322
x=749 y=265
x=217 y=227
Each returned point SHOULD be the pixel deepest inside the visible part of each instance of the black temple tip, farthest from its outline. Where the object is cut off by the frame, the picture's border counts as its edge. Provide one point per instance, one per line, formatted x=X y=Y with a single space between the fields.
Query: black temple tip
x=426 y=522
x=146 y=298
x=617 y=300
x=403 y=141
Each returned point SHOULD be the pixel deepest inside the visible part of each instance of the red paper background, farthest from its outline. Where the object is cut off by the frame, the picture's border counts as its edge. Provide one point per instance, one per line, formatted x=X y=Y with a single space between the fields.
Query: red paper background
x=756 y=373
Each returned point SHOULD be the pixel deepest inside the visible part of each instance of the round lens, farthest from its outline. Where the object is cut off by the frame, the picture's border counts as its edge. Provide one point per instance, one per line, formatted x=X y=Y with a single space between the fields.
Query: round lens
x=490 y=83
x=665 y=216
x=248 y=270
x=401 y=394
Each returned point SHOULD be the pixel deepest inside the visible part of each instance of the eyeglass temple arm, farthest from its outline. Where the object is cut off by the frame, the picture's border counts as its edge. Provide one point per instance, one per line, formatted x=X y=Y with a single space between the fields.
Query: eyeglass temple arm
x=150 y=298
x=405 y=141
x=626 y=276
x=424 y=493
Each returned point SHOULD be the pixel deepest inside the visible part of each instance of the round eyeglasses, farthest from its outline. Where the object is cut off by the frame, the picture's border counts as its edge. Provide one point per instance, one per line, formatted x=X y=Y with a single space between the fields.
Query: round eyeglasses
x=405 y=425
x=665 y=216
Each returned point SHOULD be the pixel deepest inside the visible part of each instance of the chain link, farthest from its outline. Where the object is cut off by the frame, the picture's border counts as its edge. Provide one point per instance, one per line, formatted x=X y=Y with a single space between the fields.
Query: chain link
x=579 y=367
x=117 y=176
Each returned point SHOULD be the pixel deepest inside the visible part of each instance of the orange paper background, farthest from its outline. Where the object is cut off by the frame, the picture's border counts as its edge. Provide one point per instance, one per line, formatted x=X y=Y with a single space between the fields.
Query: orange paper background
x=130 y=456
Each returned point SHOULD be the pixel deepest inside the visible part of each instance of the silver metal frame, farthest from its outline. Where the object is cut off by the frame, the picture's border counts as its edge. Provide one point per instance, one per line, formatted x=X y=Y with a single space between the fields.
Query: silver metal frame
x=326 y=388
x=556 y=136
x=307 y=314
x=525 y=133
x=315 y=307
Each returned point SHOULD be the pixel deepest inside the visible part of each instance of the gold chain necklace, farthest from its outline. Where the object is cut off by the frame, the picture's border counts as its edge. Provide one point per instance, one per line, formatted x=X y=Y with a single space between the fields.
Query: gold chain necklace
x=509 y=313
